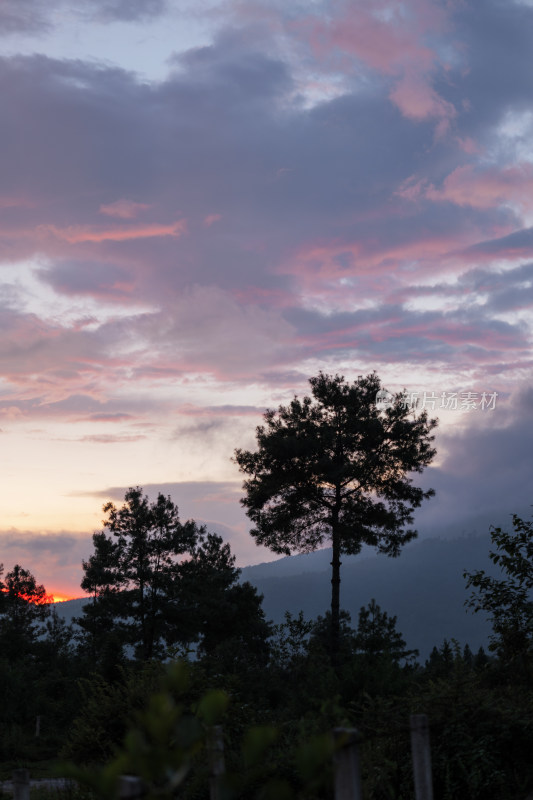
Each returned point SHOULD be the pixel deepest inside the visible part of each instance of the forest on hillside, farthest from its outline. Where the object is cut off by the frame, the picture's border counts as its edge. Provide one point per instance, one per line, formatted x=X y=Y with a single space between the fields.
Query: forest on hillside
x=171 y=643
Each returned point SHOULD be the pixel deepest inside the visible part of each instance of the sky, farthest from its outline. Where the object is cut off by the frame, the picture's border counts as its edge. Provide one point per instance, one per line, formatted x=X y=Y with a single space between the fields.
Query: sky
x=203 y=204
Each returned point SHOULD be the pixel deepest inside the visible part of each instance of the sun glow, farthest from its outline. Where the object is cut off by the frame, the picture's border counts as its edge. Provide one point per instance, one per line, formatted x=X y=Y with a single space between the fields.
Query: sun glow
x=44 y=600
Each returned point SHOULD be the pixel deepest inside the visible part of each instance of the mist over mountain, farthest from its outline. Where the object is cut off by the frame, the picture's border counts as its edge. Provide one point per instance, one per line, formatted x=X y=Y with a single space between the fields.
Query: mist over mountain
x=424 y=587
x=474 y=525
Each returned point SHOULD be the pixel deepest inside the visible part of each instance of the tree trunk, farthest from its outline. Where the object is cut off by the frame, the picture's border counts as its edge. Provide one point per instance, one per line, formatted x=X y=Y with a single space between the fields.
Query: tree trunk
x=335 y=590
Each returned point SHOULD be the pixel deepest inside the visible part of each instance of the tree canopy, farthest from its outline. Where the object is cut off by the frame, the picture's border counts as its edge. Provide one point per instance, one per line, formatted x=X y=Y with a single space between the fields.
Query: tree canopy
x=158 y=583
x=132 y=567
x=334 y=467
x=24 y=606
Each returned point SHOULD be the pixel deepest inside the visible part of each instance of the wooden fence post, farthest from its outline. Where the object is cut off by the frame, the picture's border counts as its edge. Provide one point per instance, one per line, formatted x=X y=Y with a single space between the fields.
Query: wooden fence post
x=21 y=784
x=347 y=765
x=217 y=768
x=421 y=752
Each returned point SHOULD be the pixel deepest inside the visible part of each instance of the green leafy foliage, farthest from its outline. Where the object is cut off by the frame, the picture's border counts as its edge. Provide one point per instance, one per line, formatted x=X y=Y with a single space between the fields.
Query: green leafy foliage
x=106 y=710
x=164 y=744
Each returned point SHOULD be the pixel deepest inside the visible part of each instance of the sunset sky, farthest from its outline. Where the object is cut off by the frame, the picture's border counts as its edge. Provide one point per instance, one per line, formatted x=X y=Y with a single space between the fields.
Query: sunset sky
x=202 y=204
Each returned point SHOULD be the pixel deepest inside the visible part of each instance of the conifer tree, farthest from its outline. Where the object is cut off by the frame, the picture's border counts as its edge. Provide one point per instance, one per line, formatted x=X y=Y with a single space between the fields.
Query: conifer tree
x=336 y=468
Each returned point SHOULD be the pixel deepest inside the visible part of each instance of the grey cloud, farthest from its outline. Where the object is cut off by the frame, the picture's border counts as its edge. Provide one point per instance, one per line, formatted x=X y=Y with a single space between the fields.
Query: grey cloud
x=284 y=378
x=243 y=72
x=516 y=241
x=487 y=467
x=127 y=10
x=216 y=500
x=392 y=331
x=64 y=549
x=222 y=426
x=113 y=416
x=207 y=429
x=97 y=278
x=35 y=17
x=79 y=407
x=23 y=16
x=490 y=280
x=110 y=438
x=497 y=34
x=223 y=410
x=504 y=290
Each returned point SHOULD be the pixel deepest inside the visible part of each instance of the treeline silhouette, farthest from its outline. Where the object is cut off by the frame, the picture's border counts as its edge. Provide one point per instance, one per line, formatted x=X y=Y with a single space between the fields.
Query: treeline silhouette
x=149 y=610
x=334 y=468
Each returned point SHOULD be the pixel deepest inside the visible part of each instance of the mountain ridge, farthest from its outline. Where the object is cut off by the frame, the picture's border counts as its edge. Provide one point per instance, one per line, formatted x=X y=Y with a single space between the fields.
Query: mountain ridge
x=424 y=588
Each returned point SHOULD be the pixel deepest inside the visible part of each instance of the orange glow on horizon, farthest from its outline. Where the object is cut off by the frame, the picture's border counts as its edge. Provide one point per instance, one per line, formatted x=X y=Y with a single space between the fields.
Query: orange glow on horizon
x=39 y=601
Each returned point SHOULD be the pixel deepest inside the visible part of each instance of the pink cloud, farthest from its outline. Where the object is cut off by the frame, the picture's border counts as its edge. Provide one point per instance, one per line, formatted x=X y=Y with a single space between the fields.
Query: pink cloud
x=460 y=336
x=379 y=35
x=76 y=234
x=15 y=202
x=11 y=412
x=208 y=221
x=461 y=333
x=124 y=209
x=412 y=189
x=213 y=333
x=468 y=145
x=44 y=363
x=486 y=189
x=391 y=39
x=417 y=100
x=372 y=332
x=322 y=262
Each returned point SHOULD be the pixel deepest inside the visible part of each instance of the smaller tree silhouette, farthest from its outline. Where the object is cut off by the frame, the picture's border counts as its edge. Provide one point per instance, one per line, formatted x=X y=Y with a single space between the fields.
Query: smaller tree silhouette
x=24 y=607
x=508 y=600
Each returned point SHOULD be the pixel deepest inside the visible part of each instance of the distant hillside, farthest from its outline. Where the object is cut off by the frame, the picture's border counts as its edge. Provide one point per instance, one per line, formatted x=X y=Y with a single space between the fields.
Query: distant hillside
x=319 y=561
x=70 y=608
x=424 y=588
